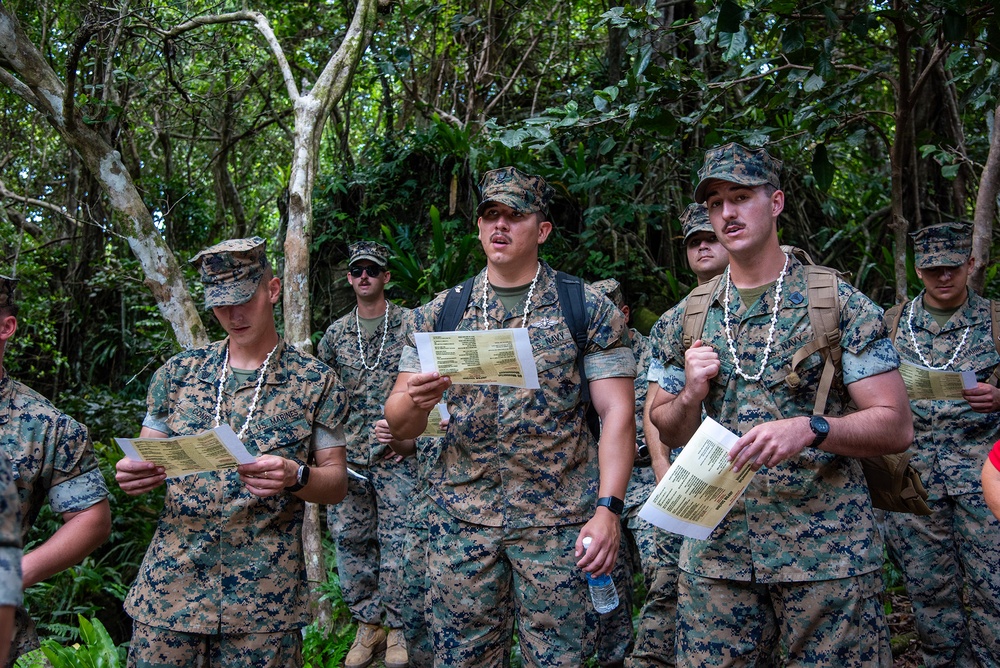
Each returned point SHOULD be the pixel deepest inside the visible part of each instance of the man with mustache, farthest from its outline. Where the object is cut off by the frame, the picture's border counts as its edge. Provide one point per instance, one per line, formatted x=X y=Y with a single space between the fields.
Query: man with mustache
x=793 y=573
x=955 y=549
x=520 y=480
x=654 y=634
x=369 y=525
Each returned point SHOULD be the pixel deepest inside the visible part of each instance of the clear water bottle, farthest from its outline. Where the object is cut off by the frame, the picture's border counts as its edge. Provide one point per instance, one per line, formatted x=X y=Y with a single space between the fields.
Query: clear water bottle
x=602 y=588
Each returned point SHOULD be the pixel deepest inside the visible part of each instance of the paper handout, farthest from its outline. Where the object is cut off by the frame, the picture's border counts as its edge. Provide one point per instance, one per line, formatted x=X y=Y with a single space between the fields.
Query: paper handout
x=491 y=357
x=210 y=450
x=925 y=383
x=700 y=487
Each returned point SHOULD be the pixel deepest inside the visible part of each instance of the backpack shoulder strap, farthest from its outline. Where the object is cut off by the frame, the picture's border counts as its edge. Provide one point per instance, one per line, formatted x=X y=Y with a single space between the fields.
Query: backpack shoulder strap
x=573 y=304
x=455 y=303
x=696 y=311
x=824 y=318
x=892 y=318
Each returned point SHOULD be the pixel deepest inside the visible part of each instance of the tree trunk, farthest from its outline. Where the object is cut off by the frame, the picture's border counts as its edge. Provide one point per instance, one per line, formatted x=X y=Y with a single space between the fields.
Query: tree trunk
x=986 y=208
x=36 y=83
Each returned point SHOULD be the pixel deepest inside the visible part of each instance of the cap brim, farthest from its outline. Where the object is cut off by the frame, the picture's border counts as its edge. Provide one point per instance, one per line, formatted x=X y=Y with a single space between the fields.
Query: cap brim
x=363 y=256
x=232 y=294
x=701 y=194
x=512 y=201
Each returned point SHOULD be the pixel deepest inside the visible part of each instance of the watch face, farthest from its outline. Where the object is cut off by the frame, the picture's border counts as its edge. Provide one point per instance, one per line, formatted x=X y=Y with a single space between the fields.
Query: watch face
x=819 y=425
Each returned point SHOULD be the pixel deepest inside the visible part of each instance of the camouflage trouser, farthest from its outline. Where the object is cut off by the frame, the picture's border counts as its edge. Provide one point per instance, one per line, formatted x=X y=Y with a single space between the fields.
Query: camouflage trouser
x=824 y=623
x=614 y=636
x=654 y=636
x=153 y=647
x=481 y=577
x=25 y=637
x=368 y=528
x=416 y=611
x=955 y=548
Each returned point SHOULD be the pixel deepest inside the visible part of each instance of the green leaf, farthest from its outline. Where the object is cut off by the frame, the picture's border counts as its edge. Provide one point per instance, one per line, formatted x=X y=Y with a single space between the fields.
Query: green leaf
x=606 y=145
x=950 y=171
x=730 y=16
x=813 y=83
x=822 y=168
x=737 y=44
x=792 y=40
x=954 y=26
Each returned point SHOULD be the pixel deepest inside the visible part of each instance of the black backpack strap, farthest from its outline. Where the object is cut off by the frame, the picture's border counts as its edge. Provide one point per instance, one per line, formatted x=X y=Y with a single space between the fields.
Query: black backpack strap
x=573 y=304
x=455 y=303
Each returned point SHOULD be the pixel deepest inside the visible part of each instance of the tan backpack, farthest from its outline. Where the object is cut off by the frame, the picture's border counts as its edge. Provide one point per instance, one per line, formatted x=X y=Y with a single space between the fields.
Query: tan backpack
x=893 y=484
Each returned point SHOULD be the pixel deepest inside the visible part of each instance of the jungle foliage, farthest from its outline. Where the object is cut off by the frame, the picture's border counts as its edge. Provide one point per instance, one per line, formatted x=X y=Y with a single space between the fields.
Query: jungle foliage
x=883 y=112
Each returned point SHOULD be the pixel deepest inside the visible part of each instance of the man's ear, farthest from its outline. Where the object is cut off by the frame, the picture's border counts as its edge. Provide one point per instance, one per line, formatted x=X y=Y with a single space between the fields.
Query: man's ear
x=8 y=325
x=544 y=230
x=274 y=289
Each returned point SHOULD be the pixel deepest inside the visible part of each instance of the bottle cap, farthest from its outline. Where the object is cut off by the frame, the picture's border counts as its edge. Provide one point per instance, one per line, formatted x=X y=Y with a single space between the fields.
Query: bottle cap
x=586 y=543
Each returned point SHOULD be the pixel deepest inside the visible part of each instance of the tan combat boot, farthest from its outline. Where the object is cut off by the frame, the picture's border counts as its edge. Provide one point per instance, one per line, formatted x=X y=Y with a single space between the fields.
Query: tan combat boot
x=395 y=650
x=369 y=642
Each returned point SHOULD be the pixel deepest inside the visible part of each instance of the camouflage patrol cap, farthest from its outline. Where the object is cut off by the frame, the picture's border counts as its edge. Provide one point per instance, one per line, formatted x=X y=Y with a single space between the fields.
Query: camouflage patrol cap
x=611 y=289
x=695 y=219
x=522 y=192
x=369 y=250
x=942 y=245
x=231 y=270
x=7 y=287
x=737 y=164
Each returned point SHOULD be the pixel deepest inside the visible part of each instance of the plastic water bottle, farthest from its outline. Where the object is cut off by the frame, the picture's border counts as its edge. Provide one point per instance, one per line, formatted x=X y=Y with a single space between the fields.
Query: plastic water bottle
x=603 y=592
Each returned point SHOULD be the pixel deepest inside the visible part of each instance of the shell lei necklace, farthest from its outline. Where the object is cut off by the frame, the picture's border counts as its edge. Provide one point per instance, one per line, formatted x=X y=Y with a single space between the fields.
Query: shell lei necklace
x=913 y=340
x=527 y=300
x=381 y=347
x=256 y=391
x=770 y=333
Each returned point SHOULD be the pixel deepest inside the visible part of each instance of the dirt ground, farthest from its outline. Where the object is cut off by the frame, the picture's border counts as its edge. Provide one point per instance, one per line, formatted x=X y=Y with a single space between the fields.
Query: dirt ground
x=905 y=646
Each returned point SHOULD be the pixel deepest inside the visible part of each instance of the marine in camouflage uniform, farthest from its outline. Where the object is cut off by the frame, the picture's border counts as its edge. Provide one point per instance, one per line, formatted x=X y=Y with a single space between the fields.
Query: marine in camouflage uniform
x=794 y=570
x=369 y=526
x=655 y=630
x=956 y=549
x=517 y=484
x=638 y=546
x=223 y=582
x=11 y=589
x=52 y=460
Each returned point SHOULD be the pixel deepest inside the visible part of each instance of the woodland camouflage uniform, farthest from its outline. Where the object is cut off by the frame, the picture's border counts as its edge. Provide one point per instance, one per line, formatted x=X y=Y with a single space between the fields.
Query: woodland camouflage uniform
x=52 y=459
x=516 y=479
x=369 y=525
x=224 y=561
x=956 y=549
x=805 y=529
x=11 y=588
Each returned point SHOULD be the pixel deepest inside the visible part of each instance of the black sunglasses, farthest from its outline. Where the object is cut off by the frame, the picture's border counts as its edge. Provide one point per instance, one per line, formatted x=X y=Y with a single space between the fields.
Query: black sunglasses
x=373 y=271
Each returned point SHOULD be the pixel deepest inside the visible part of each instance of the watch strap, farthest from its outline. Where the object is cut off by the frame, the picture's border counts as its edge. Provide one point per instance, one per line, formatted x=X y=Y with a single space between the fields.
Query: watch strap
x=612 y=503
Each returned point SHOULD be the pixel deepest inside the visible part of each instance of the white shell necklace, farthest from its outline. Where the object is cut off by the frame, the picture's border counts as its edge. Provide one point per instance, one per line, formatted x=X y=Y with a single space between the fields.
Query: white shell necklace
x=913 y=340
x=770 y=332
x=256 y=391
x=381 y=347
x=527 y=300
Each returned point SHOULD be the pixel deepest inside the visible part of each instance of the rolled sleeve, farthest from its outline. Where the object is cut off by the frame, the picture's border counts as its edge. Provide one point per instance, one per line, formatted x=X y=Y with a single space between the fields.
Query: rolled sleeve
x=11 y=583
x=877 y=358
x=78 y=493
x=612 y=363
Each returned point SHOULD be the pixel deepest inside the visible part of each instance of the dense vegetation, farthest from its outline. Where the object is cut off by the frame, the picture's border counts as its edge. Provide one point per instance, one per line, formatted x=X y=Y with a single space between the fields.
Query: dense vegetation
x=883 y=112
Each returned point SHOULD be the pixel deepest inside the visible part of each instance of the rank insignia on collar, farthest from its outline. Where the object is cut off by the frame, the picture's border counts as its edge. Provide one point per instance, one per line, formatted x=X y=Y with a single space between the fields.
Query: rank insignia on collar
x=545 y=323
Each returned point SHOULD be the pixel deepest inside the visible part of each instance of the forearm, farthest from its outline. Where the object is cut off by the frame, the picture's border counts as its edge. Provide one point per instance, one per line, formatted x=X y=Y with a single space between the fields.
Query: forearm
x=616 y=455
x=676 y=418
x=871 y=432
x=80 y=534
x=659 y=453
x=327 y=478
x=406 y=447
x=406 y=419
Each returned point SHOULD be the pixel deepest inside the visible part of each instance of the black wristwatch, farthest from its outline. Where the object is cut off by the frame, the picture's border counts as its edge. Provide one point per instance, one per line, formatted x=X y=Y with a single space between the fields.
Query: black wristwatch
x=612 y=503
x=820 y=427
x=301 y=479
